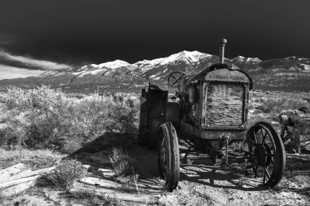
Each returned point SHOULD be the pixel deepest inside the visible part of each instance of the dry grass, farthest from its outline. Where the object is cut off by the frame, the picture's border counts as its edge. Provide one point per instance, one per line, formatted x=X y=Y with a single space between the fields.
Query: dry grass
x=270 y=104
x=45 y=118
x=193 y=195
x=88 y=198
x=280 y=100
x=34 y=158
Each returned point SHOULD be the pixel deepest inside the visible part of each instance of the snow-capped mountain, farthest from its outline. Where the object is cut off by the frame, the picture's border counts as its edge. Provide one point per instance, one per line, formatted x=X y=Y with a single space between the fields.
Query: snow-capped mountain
x=156 y=69
x=185 y=61
x=188 y=57
x=273 y=73
x=105 y=68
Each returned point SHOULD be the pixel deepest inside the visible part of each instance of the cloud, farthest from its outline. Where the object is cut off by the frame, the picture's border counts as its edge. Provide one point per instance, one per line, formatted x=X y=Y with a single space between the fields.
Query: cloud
x=30 y=63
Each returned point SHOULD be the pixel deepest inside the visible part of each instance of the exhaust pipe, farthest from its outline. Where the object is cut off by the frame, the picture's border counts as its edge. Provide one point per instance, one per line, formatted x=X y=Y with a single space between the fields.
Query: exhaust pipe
x=222 y=50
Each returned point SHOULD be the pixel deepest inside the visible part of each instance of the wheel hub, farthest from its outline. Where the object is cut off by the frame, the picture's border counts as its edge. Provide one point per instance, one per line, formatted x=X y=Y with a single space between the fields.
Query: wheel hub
x=262 y=154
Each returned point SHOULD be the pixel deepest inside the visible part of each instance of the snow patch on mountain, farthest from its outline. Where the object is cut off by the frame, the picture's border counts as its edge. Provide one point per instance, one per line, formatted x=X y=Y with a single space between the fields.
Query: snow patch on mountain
x=114 y=64
x=104 y=68
x=185 y=56
x=108 y=65
x=253 y=60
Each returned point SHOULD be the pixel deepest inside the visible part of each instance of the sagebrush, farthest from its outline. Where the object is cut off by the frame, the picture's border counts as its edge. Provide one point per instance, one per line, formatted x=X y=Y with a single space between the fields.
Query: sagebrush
x=64 y=175
x=45 y=118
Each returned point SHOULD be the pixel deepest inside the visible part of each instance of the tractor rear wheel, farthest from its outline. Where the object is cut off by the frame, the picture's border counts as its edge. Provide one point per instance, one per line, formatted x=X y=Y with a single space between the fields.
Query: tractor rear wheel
x=169 y=156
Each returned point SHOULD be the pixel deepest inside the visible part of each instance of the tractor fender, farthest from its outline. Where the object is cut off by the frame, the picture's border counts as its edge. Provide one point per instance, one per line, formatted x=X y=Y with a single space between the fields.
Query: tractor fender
x=251 y=123
x=262 y=121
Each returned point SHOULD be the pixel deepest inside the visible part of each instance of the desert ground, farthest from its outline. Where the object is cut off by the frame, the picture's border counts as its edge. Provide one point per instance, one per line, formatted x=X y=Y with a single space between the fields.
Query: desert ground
x=82 y=150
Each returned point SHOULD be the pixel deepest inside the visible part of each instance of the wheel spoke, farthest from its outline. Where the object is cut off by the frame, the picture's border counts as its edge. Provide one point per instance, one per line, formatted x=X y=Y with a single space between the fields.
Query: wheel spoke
x=267 y=173
x=255 y=138
x=261 y=136
x=265 y=135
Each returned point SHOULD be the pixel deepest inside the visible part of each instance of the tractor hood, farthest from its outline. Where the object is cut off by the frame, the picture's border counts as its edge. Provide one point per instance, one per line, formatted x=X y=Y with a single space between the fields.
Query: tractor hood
x=222 y=72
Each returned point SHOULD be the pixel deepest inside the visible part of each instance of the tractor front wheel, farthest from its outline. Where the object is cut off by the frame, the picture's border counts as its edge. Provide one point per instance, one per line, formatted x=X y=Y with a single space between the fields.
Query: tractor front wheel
x=169 y=156
x=265 y=151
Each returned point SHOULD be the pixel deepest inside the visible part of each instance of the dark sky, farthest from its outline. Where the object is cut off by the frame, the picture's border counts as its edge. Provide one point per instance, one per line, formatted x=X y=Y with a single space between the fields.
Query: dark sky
x=77 y=31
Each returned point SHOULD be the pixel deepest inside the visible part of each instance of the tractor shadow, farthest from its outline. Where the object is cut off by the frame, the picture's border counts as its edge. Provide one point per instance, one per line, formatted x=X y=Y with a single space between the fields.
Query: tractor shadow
x=98 y=154
x=198 y=168
x=143 y=159
x=123 y=159
x=143 y=162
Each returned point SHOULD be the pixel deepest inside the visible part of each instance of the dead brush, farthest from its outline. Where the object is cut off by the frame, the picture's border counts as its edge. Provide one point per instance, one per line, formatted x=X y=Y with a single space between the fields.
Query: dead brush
x=89 y=198
x=64 y=175
x=124 y=165
x=189 y=195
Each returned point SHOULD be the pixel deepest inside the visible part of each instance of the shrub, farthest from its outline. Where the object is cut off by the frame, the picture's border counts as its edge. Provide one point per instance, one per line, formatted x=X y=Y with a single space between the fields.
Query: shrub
x=64 y=175
x=45 y=118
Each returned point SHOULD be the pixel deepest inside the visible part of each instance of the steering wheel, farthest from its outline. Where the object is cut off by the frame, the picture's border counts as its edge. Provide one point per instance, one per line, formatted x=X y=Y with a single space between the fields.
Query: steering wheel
x=174 y=78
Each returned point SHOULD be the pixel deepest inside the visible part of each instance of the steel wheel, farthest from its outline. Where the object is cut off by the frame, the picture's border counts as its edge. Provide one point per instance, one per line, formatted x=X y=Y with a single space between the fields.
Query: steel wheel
x=169 y=157
x=265 y=153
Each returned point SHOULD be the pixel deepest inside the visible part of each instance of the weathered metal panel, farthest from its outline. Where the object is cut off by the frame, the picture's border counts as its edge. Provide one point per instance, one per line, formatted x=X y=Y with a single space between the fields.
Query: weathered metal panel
x=223 y=105
x=227 y=75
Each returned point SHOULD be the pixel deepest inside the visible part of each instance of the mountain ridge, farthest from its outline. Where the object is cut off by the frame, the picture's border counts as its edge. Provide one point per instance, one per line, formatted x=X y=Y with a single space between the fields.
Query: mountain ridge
x=119 y=73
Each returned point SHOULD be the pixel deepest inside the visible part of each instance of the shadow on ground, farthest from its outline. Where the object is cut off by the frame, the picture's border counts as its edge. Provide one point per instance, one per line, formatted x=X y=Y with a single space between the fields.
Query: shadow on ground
x=143 y=159
x=97 y=154
x=121 y=168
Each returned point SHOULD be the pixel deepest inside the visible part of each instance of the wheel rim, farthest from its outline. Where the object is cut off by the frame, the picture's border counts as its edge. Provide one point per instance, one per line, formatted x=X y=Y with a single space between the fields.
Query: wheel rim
x=169 y=159
x=261 y=150
x=163 y=155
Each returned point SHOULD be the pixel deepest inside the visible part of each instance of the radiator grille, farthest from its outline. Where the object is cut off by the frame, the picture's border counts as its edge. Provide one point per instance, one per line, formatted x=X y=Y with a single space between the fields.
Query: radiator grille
x=222 y=104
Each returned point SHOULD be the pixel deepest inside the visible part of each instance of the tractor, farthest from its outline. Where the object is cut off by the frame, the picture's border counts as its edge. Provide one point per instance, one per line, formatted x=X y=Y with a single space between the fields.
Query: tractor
x=209 y=111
